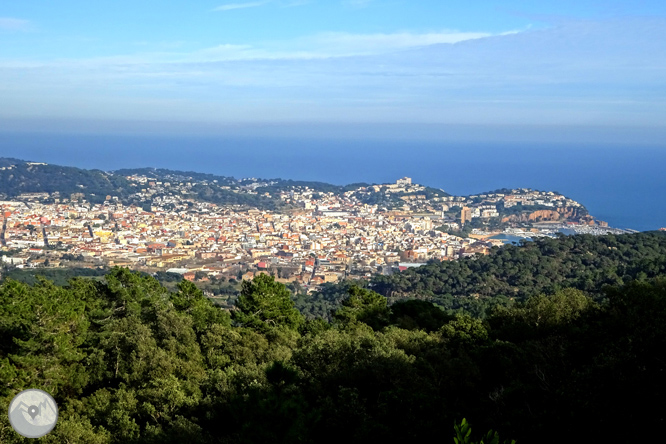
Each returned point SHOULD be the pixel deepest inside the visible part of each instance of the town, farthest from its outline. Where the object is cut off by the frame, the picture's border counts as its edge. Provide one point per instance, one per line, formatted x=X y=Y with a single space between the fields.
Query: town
x=321 y=237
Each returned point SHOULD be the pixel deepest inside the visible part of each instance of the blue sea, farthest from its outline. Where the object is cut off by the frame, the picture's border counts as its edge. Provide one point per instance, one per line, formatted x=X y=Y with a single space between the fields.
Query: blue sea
x=624 y=186
x=510 y=239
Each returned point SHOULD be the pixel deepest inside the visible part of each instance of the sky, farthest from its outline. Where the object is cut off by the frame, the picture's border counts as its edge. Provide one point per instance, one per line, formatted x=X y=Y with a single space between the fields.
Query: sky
x=179 y=66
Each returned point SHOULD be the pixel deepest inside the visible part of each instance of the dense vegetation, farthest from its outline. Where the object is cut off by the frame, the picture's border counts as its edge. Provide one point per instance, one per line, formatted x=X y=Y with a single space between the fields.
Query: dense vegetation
x=221 y=196
x=129 y=361
x=476 y=284
x=584 y=262
x=59 y=276
x=26 y=178
x=9 y=161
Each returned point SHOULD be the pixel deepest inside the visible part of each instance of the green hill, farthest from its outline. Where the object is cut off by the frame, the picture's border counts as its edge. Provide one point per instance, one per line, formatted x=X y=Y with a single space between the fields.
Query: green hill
x=513 y=273
x=584 y=262
x=18 y=177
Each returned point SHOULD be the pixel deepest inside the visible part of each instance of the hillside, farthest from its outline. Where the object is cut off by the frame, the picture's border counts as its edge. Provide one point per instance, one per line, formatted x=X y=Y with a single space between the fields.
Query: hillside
x=544 y=266
x=19 y=177
x=167 y=174
x=515 y=273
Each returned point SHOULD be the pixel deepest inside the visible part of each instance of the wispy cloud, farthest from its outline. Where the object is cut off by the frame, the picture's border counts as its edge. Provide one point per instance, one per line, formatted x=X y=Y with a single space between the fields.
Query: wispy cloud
x=232 y=6
x=317 y=46
x=333 y=44
x=14 y=24
x=339 y=43
x=613 y=75
x=279 y=3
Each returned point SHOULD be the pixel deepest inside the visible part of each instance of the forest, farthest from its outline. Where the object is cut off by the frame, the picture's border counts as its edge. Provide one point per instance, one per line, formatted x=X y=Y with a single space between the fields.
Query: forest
x=24 y=177
x=129 y=361
x=512 y=273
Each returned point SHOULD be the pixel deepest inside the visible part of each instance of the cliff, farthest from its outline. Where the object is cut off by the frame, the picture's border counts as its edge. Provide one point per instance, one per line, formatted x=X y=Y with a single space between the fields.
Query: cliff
x=561 y=214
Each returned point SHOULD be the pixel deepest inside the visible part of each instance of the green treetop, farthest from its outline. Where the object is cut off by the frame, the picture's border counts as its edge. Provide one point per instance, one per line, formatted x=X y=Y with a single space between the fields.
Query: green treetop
x=264 y=304
x=365 y=306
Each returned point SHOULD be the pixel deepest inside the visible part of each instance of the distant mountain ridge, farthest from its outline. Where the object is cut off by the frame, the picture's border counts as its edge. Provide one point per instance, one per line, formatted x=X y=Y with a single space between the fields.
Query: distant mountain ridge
x=59 y=178
x=20 y=177
x=9 y=161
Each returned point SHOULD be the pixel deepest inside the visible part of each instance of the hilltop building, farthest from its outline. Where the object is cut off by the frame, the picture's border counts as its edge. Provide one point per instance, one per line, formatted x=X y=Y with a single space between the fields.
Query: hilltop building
x=465 y=215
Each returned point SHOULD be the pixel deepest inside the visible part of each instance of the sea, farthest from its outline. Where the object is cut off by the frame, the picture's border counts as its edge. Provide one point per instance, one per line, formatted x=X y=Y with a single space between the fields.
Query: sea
x=622 y=185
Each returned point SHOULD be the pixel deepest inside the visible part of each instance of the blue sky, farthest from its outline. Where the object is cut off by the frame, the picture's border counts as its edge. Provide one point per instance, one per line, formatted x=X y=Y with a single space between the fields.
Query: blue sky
x=572 y=63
